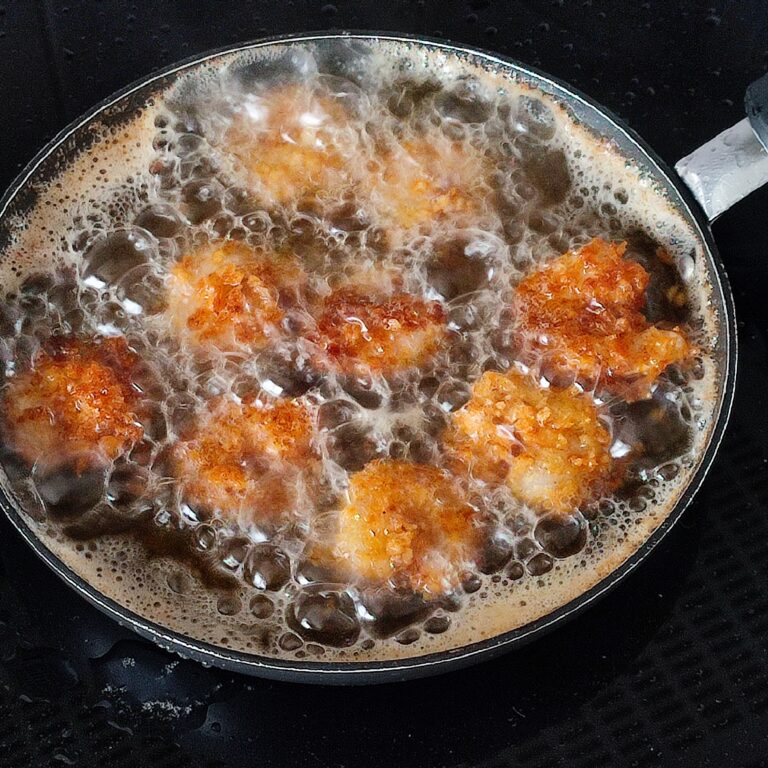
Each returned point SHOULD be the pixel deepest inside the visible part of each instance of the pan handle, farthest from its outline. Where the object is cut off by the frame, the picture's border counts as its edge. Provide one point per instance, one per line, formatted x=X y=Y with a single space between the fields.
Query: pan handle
x=734 y=163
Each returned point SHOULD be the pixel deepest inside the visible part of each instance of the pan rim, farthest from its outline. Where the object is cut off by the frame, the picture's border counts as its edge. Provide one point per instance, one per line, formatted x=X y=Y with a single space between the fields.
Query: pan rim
x=432 y=663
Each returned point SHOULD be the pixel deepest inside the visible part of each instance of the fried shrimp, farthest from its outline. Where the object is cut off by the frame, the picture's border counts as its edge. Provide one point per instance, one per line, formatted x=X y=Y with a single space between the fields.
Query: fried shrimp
x=406 y=523
x=549 y=446
x=360 y=332
x=427 y=179
x=230 y=297
x=76 y=403
x=583 y=311
x=243 y=461
x=291 y=142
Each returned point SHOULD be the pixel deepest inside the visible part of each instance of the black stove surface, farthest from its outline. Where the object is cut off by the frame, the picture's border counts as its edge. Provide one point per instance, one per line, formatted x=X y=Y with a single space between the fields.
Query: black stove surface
x=670 y=669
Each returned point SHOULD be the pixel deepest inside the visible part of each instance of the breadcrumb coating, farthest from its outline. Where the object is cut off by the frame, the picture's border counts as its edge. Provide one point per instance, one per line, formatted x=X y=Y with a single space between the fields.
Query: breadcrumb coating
x=75 y=403
x=384 y=335
x=407 y=523
x=427 y=178
x=584 y=312
x=229 y=296
x=243 y=460
x=548 y=445
x=288 y=141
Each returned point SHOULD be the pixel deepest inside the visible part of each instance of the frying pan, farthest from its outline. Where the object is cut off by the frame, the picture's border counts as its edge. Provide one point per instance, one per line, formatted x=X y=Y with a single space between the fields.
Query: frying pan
x=702 y=186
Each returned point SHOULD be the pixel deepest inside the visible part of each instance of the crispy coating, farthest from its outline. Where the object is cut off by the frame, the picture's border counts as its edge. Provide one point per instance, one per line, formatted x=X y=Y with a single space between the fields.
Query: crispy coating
x=427 y=178
x=584 y=311
x=288 y=139
x=243 y=460
x=547 y=445
x=386 y=334
x=75 y=403
x=228 y=297
x=406 y=523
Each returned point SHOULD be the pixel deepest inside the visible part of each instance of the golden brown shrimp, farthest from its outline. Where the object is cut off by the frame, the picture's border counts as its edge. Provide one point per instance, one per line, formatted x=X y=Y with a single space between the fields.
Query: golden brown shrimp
x=75 y=403
x=288 y=141
x=584 y=312
x=243 y=460
x=548 y=445
x=382 y=334
x=230 y=297
x=427 y=179
x=406 y=524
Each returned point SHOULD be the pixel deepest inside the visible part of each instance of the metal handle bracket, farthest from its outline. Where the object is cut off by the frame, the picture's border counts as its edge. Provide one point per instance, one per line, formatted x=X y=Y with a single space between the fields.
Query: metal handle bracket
x=734 y=163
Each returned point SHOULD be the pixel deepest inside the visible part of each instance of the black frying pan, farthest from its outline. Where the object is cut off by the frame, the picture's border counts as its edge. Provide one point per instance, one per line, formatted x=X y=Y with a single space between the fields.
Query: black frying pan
x=706 y=183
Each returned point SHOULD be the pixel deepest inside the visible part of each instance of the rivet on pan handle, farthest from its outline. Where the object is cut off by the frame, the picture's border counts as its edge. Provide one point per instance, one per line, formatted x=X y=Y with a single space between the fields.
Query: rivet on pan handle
x=734 y=163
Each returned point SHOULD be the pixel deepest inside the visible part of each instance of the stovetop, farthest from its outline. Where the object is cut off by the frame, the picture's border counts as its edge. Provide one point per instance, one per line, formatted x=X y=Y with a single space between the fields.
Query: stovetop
x=670 y=669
